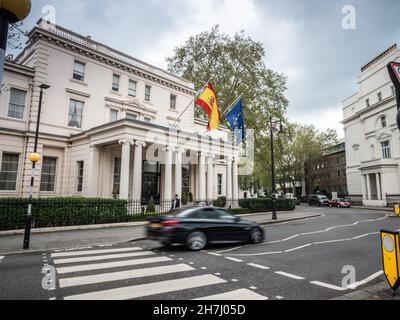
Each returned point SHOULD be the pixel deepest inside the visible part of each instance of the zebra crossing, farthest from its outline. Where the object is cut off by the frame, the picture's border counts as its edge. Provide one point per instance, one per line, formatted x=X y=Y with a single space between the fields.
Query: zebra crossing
x=137 y=273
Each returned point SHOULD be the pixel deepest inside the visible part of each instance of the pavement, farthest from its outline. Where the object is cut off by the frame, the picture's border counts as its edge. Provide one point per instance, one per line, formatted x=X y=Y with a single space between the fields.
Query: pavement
x=60 y=238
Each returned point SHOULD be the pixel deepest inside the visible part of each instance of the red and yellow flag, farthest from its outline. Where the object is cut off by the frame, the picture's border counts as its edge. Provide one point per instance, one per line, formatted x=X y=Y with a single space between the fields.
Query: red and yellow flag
x=209 y=103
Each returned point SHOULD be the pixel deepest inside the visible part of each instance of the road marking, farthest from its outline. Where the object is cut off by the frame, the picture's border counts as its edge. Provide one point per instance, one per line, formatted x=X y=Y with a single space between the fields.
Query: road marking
x=86 y=253
x=298 y=248
x=109 y=265
x=365 y=281
x=1 y=258
x=105 y=257
x=118 y=276
x=258 y=266
x=279 y=297
x=235 y=280
x=233 y=259
x=256 y=254
x=151 y=289
x=329 y=286
x=332 y=241
x=288 y=275
x=253 y=288
x=242 y=294
x=214 y=254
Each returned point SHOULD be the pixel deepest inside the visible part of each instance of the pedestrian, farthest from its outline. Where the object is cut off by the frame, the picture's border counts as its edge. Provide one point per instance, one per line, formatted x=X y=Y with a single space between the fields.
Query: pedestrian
x=176 y=202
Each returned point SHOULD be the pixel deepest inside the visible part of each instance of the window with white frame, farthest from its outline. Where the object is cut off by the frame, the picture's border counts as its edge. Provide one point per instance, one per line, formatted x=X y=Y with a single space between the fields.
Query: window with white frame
x=172 y=104
x=113 y=115
x=132 y=88
x=131 y=116
x=16 y=108
x=147 y=96
x=386 y=150
x=9 y=172
x=48 y=176
x=117 y=175
x=115 y=83
x=220 y=184
x=80 y=171
x=75 y=114
x=79 y=70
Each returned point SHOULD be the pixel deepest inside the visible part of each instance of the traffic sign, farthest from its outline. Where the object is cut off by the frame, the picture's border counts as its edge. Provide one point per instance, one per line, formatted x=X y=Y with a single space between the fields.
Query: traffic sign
x=391 y=257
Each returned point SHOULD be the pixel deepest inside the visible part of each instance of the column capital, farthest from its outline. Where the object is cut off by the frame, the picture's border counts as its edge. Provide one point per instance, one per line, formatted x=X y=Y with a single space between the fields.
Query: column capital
x=126 y=141
x=166 y=148
x=140 y=144
x=228 y=160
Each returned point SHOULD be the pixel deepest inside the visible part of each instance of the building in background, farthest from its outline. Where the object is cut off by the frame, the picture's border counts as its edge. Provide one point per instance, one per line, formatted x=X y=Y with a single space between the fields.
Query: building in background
x=372 y=136
x=104 y=112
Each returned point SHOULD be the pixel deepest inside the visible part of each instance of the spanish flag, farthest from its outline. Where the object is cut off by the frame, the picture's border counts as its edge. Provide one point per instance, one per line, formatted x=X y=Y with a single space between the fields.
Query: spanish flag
x=209 y=103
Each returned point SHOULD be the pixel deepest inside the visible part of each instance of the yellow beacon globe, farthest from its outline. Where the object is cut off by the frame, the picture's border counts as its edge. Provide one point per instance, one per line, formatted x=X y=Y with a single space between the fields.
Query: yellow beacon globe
x=34 y=157
x=19 y=9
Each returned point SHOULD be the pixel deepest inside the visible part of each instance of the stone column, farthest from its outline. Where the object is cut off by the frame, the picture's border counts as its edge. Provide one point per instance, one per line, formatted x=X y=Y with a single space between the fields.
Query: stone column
x=369 y=195
x=235 y=183
x=229 y=182
x=138 y=171
x=364 y=187
x=210 y=178
x=379 y=186
x=202 y=178
x=94 y=166
x=178 y=172
x=125 y=159
x=168 y=174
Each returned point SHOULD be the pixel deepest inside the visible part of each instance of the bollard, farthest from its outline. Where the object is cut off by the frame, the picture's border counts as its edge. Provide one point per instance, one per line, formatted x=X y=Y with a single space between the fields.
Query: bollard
x=391 y=258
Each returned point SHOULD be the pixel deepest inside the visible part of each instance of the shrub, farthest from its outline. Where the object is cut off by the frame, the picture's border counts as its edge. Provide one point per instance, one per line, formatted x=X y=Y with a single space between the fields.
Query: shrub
x=191 y=197
x=185 y=198
x=220 y=202
x=151 y=207
x=265 y=205
x=240 y=211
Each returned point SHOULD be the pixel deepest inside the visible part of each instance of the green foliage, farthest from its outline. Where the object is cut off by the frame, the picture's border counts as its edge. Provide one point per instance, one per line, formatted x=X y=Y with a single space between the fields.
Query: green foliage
x=265 y=205
x=151 y=207
x=185 y=198
x=191 y=197
x=58 y=212
x=220 y=202
x=240 y=211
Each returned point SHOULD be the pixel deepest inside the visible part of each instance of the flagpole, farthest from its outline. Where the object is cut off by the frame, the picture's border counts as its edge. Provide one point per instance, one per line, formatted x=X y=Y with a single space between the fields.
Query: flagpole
x=230 y=107
x=193 y=100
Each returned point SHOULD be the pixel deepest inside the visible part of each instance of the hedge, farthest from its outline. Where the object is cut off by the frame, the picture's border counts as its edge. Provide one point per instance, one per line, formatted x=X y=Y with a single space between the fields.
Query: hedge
x=58 y=212
x=265 y=205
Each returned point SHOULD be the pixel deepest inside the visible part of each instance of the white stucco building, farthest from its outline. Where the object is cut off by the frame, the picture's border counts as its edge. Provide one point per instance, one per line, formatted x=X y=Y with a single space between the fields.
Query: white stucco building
x=105 y=126
x=372 y=136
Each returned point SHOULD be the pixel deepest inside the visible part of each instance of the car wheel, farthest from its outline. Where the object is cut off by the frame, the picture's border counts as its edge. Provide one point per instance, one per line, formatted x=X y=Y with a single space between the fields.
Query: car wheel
x=197 y=241
x=166 y=243
x=256 y=236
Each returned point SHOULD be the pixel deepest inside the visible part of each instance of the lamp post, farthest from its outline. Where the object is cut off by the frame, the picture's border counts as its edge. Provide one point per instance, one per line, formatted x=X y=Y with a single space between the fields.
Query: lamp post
x=34 y=158
x=11 y=11
x=274 y=199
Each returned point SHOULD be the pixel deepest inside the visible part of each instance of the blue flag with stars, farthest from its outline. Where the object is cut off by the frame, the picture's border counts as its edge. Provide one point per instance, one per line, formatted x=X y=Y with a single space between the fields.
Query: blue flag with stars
x=235 y=118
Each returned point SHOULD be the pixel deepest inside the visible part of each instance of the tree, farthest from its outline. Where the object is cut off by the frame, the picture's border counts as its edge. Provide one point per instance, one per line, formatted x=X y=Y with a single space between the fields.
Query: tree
x=15 y=37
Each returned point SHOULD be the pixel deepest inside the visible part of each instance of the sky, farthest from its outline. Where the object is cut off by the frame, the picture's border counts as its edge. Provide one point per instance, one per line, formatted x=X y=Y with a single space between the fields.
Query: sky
x=319 y=45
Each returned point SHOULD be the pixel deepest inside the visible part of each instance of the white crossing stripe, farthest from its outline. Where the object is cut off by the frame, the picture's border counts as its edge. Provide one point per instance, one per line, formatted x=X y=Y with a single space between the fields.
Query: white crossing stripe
x=89 y=252
x=1 y=258
x=242 y=294
x=288 y=275
x=104 y=257
x=329 y=286
x=150 y=289
x=109 y=265
x=233 y=259
x=117 y=276
x=258 y=266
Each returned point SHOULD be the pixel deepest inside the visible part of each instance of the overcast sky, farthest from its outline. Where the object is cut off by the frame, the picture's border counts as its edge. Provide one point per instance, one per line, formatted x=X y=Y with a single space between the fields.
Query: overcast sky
x=304 y=39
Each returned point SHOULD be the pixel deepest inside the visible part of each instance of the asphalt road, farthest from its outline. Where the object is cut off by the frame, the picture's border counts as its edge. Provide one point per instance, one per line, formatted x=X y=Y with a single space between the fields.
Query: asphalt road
x=299 y=260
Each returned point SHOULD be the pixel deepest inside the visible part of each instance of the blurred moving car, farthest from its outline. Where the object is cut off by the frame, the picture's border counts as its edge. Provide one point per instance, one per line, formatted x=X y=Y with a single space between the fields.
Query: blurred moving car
x=197 y=227
x=340 y=203
x=319 y=200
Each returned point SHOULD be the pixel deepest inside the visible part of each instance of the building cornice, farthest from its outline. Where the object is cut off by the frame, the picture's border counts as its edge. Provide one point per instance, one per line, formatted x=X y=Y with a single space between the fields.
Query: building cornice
x=19 y=69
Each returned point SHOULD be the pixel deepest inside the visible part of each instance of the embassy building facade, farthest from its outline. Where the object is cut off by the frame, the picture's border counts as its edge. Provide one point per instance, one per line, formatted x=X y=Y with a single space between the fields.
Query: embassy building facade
x=109 y=126
x=372 y=136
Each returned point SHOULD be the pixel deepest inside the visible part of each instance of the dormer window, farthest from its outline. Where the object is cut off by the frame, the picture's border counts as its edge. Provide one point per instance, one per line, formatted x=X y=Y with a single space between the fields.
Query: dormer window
x=383 y=122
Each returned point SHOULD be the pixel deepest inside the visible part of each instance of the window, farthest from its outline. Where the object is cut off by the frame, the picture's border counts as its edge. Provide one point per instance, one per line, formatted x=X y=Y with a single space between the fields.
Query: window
x=147 y=96
x=131 y=116
x=386 y=150
x=147 y=119
x=367 y=103
x=113 y=115
x=220 y=184
x=380 y=96
x=9 y=172
x=132 y=88
x=338 y=174
x=383 y=122
x=16 y=108
x=75 y=114
x=79 y=71
x=117 y=175
x=173 y=102
x=49 y=169
x=81 y=167
x=115 y=84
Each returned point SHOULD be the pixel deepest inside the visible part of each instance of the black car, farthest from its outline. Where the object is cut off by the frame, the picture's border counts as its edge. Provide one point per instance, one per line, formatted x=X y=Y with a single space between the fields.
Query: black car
x=197 y=227
x=319 y=200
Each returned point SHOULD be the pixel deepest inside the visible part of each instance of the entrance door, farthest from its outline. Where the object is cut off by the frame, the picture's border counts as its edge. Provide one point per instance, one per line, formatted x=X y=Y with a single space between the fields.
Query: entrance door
x=150 y=187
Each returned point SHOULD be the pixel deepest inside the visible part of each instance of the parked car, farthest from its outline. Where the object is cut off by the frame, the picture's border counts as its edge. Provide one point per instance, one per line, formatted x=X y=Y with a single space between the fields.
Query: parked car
x=340 y=203
x=197 y=227
x=296 y=201
x=319 y=200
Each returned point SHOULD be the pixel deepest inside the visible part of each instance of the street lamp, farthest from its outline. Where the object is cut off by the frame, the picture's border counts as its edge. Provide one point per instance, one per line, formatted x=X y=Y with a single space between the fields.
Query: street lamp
x=34 y=158
x=11 y=11
x=274 y=199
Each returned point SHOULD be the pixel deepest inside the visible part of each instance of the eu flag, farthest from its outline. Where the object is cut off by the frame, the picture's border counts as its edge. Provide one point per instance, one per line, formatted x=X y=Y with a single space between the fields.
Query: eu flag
x=235 y=118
